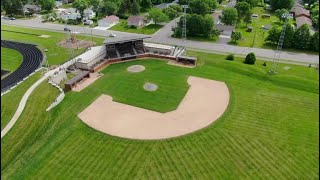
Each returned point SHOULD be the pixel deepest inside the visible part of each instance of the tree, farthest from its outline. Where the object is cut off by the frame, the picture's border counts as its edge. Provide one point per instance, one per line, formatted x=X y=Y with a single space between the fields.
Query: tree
x=229 y=16
x=301 y=37
x=135 y=10
x=274 y=35
x=283 y=4
x=124 y=7
x=157 y=15
x=47 y=5
x=95 y=4
x=172 y=11
x=314 y=42
x=280 y=12
x=145 y=4
x=252 y=3
x=80 y=5
x=247 y=19
x=235 y=36
x=288 y=38
x=13 y=6
x=202 y=6
x=243 y=8
x=250 y=58
x=109 y=8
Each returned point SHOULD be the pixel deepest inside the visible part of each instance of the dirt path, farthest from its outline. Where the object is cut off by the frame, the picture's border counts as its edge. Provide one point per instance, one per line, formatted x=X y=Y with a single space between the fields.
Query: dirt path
x=204 y=103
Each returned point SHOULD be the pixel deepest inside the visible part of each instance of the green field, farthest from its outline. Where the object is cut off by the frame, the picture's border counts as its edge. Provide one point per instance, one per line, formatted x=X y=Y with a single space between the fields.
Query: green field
x=10 y=59
x=270 y=129
x=10 y=101
x=122 y=26
x=55 y=55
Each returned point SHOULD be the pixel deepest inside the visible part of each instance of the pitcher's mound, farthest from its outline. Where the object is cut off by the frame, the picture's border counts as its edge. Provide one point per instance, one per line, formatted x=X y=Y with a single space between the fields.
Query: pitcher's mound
x=204 y=103
x=136 y=68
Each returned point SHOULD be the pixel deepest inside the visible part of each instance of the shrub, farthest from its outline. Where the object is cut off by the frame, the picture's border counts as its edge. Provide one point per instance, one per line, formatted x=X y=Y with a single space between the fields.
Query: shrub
x=250 y=58
x=264 y=64
x=230 y=57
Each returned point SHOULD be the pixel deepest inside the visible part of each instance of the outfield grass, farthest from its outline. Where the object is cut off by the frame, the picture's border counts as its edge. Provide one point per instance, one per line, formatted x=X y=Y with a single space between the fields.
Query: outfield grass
x=55 y=55
x=270 y=129
x=122 y=26
x=10 y=59
x=10 y=101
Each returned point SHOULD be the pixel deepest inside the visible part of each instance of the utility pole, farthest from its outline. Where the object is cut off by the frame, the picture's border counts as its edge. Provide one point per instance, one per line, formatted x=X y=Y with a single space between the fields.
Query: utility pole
x=277 y=54
x=184 y=26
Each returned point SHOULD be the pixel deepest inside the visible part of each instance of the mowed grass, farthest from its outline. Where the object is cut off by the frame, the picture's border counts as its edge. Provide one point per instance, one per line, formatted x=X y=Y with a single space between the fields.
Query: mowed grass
x=10 y=101
x=270 y=130
x=10 y=59
x=123 y=26
x=56 y=55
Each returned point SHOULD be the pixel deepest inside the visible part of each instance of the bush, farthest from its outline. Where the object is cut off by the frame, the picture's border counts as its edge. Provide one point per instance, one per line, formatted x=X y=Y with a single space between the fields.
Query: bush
x=250 y=58
x=230 y=57
x=264 y=64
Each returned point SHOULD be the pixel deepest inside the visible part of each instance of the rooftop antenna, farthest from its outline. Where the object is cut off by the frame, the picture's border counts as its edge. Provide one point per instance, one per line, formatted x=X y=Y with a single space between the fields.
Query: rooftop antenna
x=184 y=26
x=277 y=54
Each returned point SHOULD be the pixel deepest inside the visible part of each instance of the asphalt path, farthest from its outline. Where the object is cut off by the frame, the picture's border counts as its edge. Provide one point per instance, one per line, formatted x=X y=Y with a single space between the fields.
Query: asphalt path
x=163 y=36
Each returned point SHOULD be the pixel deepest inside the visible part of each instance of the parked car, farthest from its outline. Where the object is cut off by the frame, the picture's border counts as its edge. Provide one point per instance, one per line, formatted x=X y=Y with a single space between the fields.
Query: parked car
x=67 y=29
x=112 y=35
x=5 y=17
x=12 y=18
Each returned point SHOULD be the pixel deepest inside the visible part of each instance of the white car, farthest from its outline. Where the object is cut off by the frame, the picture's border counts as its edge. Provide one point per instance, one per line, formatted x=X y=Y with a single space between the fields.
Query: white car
x=112 y=35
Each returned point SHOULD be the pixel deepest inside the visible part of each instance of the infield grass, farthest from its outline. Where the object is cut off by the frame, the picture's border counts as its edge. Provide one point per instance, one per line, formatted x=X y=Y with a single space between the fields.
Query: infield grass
x=56 y=55
x=269 y=131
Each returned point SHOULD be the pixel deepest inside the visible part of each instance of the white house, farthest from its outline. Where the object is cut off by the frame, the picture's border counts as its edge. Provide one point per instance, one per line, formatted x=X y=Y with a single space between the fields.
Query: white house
x=108 y=21
x=88 y=13
x=70 y=13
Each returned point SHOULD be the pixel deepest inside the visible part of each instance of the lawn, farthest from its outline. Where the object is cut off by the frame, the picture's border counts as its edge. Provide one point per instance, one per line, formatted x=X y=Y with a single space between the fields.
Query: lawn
x=10 y=59
x=55 y=55
x=270 y=130
x=10 y=101
x=122 y=26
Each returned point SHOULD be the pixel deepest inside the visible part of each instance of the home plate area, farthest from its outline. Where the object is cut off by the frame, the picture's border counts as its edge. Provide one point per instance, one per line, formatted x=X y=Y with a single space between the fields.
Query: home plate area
x=205 y=101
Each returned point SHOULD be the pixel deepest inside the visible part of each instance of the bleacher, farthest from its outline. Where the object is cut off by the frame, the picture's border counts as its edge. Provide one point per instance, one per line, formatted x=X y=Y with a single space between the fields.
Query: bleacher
x=32 y=59
x=125 y=49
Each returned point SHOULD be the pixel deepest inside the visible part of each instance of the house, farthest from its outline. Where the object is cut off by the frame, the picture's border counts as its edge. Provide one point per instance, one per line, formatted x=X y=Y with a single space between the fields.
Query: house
x=298 y=10
x=31 y=8
x=303 y=20
x=70 y=14
x=88 y=13
x=108 y=21
x=165 y=5
x=137 y=21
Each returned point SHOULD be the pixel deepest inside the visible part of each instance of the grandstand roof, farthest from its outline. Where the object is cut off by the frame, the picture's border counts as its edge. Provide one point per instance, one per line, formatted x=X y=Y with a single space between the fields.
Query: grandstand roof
x=159 y=46
x=77 y=78
x=124 y=39
x=90 y=55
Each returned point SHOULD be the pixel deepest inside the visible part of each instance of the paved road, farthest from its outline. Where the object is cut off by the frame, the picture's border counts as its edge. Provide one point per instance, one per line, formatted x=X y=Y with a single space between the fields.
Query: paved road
x=163 y=36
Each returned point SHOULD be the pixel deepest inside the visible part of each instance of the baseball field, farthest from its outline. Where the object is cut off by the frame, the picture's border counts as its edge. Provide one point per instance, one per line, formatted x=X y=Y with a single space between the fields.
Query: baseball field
x=269 y=130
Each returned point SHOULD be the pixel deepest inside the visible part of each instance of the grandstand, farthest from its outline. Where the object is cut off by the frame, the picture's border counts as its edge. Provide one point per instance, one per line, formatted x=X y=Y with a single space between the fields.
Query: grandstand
x=32 y=60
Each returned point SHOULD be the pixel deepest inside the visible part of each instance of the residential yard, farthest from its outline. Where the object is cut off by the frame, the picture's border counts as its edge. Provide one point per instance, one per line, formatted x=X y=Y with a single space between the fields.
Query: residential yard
x=122 y=26
x=270 y=129
x=56 y=54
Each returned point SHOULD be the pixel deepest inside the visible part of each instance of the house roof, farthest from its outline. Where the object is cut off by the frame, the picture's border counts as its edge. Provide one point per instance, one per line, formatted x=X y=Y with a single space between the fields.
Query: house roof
x=111 y=18
x=135 y=19
x=303 y=20
x=300 y=10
